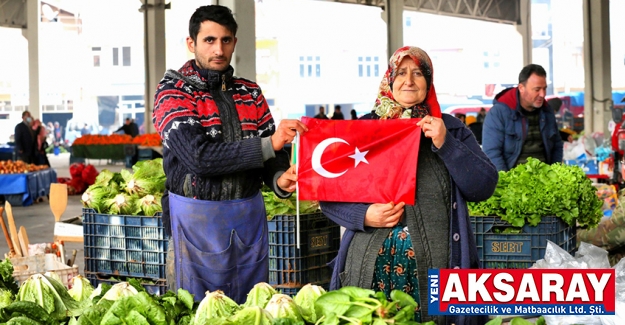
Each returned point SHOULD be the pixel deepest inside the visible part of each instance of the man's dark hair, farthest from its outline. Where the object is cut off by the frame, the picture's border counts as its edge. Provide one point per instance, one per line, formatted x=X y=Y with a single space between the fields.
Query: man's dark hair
x=24 y=113
x=337 y=107
x=215 y=13
x=530 y=69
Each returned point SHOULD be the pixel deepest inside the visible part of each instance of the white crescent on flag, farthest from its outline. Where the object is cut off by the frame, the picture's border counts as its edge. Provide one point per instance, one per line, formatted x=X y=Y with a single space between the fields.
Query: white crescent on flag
x=318 y=152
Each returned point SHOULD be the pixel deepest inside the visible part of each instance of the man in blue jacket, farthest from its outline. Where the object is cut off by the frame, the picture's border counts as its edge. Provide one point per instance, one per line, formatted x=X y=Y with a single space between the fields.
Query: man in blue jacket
x=521 y=124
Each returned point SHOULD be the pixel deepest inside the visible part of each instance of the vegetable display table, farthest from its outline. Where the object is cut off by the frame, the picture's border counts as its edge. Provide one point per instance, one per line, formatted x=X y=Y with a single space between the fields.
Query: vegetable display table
x=108 y=151
x=29 y=186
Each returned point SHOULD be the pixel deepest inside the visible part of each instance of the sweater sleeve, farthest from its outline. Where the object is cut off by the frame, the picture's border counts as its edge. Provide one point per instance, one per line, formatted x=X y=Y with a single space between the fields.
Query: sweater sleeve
x=176 y=120
x=349 y=215
x=471 y=170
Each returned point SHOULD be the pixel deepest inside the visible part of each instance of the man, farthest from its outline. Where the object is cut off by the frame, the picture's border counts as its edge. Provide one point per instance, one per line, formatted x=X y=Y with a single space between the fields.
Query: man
x=322 y=114
x=129 y=127
x=25 y=139
x=219 y=145
x=521 y=124
x=481 y=115
x=337 y=113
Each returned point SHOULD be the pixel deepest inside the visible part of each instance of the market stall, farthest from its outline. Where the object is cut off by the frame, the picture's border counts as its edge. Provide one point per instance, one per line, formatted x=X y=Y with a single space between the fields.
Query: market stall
x=24 y=188
x=117 y=147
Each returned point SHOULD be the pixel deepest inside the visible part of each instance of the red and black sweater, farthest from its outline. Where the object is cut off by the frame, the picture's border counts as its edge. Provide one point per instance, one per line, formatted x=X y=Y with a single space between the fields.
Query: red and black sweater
x=211 y=124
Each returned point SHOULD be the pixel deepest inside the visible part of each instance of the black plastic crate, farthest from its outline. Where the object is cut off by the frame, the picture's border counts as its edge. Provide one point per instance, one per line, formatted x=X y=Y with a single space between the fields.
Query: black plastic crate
x=292 y=291
x=153 y=286
x=498 y=250
x=293 y=268
x=123 y=245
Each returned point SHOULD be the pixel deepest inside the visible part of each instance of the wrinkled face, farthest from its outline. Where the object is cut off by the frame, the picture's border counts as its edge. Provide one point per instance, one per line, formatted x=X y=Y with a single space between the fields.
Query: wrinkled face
x=409 y=87
x=533 y=92
x=213 y=47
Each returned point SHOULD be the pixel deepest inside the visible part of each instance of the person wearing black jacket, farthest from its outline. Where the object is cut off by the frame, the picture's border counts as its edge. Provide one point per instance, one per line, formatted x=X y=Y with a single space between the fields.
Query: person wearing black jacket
x=130 y=128
x=25 y=139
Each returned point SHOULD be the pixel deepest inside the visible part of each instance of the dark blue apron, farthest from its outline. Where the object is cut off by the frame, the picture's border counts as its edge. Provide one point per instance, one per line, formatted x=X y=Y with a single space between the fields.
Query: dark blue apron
x=219 y=245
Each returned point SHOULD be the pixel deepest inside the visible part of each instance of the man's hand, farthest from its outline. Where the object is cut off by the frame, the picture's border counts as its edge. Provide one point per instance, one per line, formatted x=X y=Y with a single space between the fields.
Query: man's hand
x=287 y=180
x=384 y=215
x=285 y=133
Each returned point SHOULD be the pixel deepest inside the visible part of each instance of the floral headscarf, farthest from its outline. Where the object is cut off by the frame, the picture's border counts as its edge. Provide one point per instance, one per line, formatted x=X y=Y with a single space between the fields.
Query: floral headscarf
x=387 y=107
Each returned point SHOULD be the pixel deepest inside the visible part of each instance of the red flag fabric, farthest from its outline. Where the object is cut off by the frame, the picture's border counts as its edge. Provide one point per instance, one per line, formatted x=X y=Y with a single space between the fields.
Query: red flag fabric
x=371 y=161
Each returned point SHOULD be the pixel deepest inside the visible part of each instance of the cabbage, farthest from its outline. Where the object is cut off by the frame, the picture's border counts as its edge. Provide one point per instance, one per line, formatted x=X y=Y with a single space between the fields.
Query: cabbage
x=81 y=288
x=149 y=205
x=252 y=316
x=6 y=298
x=306 y=298
x=96 y=195
x=283 y=306
x=148 y=178
x=121 y=204
x=51 y=295
x=54 y=276
x=214 y=305
x=105 y=178
x=118 y=290
x=259 y=295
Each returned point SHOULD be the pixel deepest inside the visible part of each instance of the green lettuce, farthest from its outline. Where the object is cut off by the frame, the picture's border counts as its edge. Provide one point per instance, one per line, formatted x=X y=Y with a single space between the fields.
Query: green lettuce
x=149 y=205
x=51 y=295
x=283 y=306
x=214 y=306
x=122 y=204
x=306 y=298
x=260 y=295
x=81 y=288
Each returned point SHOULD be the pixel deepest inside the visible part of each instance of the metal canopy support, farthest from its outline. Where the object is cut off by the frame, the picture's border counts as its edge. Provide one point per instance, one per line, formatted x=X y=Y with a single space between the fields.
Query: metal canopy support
x=13 y=13
x=154 y=38
x=501 y=11
x=525 y=29
x=31 y=33
x=244 y=57
x=597 y=67
x=393 y=15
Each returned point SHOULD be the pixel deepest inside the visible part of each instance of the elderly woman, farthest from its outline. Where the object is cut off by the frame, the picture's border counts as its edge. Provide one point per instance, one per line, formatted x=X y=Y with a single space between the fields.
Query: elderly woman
x=435 y=232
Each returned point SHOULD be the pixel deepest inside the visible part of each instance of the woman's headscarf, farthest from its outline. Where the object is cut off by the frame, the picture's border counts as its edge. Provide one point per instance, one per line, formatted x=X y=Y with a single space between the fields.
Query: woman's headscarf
x=387 y=107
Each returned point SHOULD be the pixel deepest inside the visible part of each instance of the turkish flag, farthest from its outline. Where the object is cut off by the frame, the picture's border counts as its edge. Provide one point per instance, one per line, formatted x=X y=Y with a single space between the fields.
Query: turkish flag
x=372 y=161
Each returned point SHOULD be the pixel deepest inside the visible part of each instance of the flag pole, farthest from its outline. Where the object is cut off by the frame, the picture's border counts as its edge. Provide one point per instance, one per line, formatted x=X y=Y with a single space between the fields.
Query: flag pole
x=296 y=142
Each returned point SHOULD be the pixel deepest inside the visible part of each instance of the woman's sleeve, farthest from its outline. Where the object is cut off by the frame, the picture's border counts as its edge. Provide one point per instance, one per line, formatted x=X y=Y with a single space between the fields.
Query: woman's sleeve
x=348 y=215
x=470 y=169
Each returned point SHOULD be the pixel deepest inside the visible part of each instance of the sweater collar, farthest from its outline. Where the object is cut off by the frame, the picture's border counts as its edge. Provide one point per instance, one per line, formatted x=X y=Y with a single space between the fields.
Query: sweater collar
x=212 y=78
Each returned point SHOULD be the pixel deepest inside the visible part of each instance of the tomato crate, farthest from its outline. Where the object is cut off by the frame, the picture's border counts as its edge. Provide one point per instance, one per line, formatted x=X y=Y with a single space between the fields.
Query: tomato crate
x=152 y=286
x=123 y=245
x=499 y=250
x=290 y=267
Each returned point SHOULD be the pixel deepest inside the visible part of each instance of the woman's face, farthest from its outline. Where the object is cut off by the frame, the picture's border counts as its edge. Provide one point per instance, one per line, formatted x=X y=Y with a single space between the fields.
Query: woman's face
x=410 y=86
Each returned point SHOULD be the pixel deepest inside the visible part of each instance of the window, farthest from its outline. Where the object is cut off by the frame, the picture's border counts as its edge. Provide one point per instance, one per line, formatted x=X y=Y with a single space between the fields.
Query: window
x=306 y=65
x=115 y=56
x=126 y=55
x=368 y=66
x=492 y=60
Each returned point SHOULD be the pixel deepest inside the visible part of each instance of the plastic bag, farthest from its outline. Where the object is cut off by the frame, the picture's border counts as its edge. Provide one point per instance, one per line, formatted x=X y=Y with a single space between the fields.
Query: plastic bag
x=587 y=256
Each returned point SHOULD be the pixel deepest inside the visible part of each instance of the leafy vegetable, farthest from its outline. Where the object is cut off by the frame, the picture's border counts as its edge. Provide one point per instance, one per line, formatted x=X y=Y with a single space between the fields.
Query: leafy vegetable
x=149 y=205
x=277 y=206
x=51 y=295
x=121 y=204
x=283 y=306
x=253 y=315
x=6 y=297
x=532 y=190
x=215 y=305
x=306 y=298
x=6 y=276
x=95 y=196
x=120 y=290
x=136 y=309
x=260 y=295
x=81 y=288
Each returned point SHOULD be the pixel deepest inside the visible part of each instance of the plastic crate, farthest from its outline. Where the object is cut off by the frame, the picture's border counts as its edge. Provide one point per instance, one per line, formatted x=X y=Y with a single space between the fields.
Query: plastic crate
x=153 y=286
x=25 y=267
x=293 y=268
x=292 y=291
x=124 y=245
x=145 y=154
x=522 y=250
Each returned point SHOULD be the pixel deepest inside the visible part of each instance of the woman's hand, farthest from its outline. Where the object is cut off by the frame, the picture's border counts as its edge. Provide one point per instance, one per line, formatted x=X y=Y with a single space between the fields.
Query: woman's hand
x=288 y=180
x=384 y=215
x=434 y=128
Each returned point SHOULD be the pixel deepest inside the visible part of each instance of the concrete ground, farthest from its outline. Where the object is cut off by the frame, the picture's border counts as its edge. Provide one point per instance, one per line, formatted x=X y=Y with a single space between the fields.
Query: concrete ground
x=38 y=218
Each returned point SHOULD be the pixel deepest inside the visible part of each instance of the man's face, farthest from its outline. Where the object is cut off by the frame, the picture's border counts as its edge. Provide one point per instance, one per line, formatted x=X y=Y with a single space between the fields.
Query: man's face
x=26 y=116
x=213 y=47
x=533 y=92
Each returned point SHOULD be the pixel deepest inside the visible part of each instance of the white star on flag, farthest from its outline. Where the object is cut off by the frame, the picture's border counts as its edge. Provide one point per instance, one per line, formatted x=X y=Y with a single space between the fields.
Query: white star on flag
x=359 y=157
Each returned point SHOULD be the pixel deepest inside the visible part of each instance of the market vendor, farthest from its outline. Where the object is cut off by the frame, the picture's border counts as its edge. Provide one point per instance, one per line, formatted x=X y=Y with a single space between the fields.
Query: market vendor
x=219 y=145
x=391 y=245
